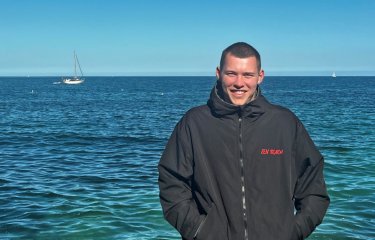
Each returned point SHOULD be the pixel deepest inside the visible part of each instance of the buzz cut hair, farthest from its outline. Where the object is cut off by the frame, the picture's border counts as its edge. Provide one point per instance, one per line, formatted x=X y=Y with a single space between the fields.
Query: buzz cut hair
x=241 y=50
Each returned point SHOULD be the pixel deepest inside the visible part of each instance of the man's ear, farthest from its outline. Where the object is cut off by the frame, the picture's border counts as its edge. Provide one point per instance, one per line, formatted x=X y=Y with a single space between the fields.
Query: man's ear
x=217 y=73
x=261 y=76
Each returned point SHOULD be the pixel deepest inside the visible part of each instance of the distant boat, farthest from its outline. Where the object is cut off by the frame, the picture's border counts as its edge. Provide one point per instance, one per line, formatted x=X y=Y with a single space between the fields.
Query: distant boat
x=333 y=74
x=75 y=79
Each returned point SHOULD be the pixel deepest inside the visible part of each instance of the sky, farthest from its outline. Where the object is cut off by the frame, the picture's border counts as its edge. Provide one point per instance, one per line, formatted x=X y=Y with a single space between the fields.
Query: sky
x=172 y=37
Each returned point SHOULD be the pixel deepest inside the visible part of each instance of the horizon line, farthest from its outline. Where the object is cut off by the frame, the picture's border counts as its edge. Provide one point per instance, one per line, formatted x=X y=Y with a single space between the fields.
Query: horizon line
x=116 y=76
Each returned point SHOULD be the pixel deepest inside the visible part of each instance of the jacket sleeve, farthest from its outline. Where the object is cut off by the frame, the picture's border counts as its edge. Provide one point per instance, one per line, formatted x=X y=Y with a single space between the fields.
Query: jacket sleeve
x=175 y=174
x=311 y=197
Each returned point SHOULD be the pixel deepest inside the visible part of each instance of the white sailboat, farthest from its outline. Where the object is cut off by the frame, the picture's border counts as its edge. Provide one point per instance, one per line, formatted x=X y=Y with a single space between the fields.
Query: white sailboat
x=75 y=79
x=333 y=74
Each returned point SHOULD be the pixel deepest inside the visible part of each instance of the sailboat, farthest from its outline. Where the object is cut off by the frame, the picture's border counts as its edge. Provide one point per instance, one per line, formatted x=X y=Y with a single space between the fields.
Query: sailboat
x=333 y=74
x=75 y=79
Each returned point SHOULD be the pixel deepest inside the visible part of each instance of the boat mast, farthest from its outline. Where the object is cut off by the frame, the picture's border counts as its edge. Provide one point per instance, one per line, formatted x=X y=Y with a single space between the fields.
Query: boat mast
x=79 y=66
x=75 y=63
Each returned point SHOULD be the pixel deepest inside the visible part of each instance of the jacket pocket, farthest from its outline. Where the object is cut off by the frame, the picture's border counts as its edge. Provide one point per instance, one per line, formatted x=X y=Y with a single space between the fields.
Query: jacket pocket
x=212 y=227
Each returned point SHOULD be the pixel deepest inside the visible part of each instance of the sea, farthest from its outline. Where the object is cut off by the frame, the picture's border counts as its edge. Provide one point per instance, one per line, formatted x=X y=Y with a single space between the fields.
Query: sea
x=80 y=161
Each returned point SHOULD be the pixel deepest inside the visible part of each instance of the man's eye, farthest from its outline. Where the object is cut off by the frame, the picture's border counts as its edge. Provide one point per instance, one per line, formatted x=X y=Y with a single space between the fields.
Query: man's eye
x=249 y=75
x=231 y=74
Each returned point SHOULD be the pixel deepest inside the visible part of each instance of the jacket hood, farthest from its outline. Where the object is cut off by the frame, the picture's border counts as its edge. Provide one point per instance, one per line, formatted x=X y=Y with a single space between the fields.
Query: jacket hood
x=220 y=105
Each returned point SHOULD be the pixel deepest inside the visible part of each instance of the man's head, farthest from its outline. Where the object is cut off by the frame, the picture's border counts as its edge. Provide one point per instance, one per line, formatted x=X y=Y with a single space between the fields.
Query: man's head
x=240 y=72
x=241 y=50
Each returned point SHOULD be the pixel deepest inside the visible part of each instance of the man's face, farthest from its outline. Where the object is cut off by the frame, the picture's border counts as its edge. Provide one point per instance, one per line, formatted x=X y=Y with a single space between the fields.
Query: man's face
x=240 y=77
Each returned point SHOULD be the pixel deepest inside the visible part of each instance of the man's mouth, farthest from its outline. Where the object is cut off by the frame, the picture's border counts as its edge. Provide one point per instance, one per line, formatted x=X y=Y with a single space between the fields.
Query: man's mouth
x=238 y=92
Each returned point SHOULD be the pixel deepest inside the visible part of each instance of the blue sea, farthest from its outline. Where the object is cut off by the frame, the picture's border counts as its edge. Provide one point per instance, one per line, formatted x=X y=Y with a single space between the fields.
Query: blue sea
x=80 y=161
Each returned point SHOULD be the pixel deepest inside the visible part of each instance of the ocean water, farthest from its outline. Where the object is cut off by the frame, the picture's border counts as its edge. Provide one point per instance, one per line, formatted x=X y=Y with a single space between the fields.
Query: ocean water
x=80 y=162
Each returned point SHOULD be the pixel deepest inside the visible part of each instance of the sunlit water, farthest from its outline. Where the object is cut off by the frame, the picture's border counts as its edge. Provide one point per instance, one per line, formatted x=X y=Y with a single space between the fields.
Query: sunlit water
x=80 y=162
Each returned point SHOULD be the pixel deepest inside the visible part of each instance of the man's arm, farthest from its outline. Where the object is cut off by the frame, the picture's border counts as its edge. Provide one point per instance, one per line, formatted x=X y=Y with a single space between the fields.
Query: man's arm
x=175 y=174
x=311 y=197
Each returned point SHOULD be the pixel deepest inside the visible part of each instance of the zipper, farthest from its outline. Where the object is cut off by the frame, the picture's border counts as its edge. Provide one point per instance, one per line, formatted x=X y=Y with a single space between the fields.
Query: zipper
x=242 y=177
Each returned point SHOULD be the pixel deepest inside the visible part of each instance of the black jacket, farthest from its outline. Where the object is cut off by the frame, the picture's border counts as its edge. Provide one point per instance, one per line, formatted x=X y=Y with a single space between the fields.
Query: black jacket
x=249 y=172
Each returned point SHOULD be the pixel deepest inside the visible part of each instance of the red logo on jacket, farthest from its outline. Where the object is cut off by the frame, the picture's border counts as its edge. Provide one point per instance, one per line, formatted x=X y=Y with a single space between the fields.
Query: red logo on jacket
x=271 y=151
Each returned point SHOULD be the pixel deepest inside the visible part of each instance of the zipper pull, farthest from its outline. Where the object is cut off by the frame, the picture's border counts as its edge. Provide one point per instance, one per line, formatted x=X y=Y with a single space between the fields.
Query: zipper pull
x=239 y=114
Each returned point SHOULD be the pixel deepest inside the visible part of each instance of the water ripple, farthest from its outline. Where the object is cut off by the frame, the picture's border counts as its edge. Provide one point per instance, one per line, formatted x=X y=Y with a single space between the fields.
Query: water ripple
x=87 y=169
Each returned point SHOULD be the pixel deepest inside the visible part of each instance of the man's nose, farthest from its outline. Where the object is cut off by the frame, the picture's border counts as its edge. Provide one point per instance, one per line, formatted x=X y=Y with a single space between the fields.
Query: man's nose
x=239 y=81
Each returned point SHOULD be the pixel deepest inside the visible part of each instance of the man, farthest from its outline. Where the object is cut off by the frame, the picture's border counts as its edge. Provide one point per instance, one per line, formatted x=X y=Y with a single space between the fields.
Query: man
x=240 y=167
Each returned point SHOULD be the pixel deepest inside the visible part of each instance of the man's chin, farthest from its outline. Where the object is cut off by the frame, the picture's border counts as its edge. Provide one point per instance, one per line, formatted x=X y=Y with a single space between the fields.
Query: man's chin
x=238 y=102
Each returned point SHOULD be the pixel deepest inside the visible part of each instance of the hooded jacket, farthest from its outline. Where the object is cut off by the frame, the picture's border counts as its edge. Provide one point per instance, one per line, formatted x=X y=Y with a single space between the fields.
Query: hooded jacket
x=242 y=172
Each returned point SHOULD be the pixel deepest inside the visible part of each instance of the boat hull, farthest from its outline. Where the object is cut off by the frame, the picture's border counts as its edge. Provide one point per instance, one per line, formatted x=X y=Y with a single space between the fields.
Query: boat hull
x=73 y=81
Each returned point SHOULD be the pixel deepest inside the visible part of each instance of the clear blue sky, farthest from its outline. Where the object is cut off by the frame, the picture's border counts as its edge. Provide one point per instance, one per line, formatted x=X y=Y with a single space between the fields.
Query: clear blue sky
x=171 y=37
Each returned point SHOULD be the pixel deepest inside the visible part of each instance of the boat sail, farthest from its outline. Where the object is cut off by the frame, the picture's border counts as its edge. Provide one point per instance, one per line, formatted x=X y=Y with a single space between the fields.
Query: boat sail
x=75 y=79
x=333 y=74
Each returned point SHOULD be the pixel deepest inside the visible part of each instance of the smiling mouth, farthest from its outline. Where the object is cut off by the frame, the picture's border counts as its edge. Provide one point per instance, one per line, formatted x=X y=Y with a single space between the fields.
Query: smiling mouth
x=238 y=92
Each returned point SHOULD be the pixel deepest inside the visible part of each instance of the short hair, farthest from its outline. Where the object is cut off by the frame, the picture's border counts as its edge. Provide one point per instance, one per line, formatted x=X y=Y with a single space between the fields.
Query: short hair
x=241 y=50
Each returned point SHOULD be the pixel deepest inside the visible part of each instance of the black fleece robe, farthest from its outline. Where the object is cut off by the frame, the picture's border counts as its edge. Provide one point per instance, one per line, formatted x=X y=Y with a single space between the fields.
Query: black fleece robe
x=242 y=172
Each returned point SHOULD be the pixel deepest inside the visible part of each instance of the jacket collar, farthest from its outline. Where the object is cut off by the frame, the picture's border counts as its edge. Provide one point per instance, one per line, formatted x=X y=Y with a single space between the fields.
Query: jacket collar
x=220 y=105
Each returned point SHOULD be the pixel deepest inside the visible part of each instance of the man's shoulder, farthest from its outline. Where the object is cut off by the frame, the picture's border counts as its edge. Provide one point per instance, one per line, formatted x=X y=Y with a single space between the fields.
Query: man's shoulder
x=197 y=111
x=281 y=109
x=282 y=112
x=194 y=116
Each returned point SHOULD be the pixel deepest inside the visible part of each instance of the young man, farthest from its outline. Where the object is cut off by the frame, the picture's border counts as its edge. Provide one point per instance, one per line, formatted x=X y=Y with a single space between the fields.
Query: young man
x=240 y=167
